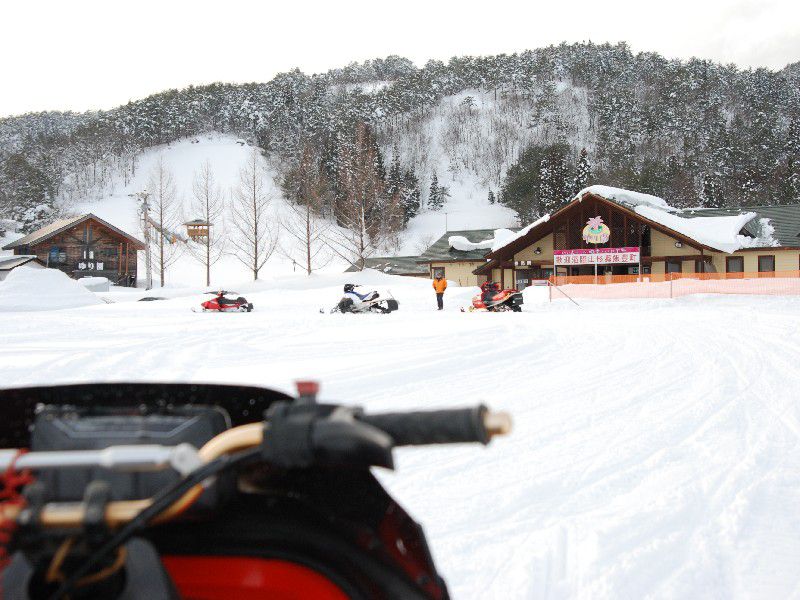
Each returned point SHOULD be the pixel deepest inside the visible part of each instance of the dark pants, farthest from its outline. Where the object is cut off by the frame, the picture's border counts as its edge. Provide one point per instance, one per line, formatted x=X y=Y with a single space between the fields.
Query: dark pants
x=440 y=300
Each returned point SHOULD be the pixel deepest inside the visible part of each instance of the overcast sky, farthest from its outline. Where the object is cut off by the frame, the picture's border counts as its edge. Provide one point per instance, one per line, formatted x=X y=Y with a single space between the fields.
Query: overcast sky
x=83 y=54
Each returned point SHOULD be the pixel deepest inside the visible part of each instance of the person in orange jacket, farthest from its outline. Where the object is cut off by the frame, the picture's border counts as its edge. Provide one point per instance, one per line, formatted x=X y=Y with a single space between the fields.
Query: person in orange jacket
x=440 y=285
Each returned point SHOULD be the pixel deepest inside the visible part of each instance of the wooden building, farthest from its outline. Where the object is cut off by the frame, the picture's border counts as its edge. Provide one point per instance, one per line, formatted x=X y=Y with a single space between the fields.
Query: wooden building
x=83 y=246
x=197 y=230
x=759 y=239
x=456 y=265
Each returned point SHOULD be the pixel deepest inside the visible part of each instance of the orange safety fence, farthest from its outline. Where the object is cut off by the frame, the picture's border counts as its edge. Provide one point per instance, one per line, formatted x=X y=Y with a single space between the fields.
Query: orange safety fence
x=674 y=285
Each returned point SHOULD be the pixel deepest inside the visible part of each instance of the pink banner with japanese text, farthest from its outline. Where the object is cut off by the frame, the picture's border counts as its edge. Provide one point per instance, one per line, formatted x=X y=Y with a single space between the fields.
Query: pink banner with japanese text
x=596 y=256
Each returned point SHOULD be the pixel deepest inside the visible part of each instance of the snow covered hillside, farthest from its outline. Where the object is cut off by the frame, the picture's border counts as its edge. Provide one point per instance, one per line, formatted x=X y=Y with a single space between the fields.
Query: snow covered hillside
x=226 y=155
x=467 y=207
x=655 y=451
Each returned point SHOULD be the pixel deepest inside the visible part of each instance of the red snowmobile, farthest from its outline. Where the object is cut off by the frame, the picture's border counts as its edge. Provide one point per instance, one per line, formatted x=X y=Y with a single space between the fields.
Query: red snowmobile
x=222 y=304
x=204 y=492
x=493 y=299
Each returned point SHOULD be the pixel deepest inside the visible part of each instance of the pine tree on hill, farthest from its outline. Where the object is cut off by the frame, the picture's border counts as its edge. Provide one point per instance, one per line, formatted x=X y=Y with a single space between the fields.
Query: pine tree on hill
x=711 y=195
x=583 y=172
x=410 y=195
x=789 y=190
x=435 y=200
x=395 y=181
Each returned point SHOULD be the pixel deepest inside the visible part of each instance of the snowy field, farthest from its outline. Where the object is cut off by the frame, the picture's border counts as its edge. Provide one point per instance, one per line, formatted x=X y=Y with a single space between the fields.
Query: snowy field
x=656 y=450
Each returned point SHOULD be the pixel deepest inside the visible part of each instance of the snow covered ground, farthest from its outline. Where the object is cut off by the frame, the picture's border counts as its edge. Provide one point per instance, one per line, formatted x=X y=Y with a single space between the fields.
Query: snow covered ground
x=656 y=450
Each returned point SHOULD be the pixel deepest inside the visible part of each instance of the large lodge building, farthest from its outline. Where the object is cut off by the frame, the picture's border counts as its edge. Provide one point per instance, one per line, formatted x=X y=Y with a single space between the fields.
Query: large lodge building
x=607 y=231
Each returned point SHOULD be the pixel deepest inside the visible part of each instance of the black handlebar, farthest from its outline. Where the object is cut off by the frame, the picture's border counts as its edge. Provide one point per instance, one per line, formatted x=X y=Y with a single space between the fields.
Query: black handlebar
x=449 y=426
x=302 y=435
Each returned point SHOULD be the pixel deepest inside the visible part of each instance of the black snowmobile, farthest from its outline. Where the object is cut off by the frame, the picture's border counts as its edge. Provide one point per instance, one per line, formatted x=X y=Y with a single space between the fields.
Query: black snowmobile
x=355 y=302
x=142 y=491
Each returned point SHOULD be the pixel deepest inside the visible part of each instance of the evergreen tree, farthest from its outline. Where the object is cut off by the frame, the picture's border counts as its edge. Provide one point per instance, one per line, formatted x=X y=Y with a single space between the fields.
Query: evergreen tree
x=711 y=196
x=395 y=181
x=583 y=172
x=553 y=181
x=435 y=200
x=411 y=195
x=789 y=175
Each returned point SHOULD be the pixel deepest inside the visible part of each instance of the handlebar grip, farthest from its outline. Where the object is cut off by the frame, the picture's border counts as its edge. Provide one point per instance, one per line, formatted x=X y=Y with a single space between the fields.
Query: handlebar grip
x=448 y=426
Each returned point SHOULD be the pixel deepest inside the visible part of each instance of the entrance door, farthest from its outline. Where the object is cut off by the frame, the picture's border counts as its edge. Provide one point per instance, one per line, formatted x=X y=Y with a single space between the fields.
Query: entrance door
x=522 y=278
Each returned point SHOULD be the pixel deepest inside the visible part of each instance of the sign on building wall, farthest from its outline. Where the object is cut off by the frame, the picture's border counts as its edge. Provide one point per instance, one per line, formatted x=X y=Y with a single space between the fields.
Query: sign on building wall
x=596 y=256
x=596 y=232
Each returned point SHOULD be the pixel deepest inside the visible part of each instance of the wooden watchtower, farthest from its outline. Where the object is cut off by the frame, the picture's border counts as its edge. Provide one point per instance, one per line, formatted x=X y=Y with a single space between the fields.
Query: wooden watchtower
x=197 y=229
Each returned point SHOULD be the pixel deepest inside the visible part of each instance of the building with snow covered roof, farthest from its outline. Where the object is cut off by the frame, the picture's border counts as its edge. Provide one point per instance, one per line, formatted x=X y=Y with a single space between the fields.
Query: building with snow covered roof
x=406 y=266
x=457 y=254
x=82 y=246
x=8 y=264
x=610 y=231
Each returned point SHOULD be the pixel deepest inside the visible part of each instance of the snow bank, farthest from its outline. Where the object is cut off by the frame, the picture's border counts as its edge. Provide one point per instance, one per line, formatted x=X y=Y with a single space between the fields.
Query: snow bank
x=95 y=284
x=535 y=294
x=42 y=289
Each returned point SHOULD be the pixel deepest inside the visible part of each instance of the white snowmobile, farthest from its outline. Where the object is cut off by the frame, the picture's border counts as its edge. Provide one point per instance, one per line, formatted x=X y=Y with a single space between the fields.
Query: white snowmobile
x=371 y=301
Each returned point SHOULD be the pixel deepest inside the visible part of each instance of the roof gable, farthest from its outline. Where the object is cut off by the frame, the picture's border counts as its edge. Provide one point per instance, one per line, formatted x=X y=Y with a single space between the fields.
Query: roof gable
x=56 y=227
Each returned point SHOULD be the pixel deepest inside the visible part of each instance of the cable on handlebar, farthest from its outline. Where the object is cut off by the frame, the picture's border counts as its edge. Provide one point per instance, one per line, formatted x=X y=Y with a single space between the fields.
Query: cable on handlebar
x=161 y=502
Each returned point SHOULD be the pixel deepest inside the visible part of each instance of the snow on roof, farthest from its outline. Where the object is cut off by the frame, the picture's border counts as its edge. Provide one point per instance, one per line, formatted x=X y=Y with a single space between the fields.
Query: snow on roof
x=720 y=233
x=500 y=238
x=506 y=239
x=628 y=197
x=459 y=242
x=6 y=264
x=43 y=232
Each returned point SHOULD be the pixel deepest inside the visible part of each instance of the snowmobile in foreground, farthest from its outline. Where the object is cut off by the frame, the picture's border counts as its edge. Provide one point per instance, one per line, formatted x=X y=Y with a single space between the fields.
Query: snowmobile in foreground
x=493 y=299
x=204 y=492
x=354 y=301
x=220 y=303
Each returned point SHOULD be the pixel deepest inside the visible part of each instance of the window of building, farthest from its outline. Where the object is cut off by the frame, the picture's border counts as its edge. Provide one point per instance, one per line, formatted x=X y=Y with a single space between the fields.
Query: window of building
x=56 y=256
x=672 y=266
x=734 y=264
x=438 y=272
x=766 y=264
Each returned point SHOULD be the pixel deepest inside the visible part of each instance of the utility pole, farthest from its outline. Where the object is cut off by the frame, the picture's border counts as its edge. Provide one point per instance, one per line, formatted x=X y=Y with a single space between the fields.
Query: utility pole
x=144 y=210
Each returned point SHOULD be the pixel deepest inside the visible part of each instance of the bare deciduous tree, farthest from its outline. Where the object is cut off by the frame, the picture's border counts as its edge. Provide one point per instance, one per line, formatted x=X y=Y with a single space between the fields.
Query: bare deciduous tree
x=207 y=205
x=363 y=211
x=255 y=237
x=164 y=217
x=303 y=223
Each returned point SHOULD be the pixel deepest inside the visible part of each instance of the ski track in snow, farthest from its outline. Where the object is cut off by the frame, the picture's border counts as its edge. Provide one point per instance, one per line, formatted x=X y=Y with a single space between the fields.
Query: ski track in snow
x=656 y=449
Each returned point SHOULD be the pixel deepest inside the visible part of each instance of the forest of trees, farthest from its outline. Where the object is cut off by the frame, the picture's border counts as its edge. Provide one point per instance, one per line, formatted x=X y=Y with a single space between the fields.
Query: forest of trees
x=694 y=132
